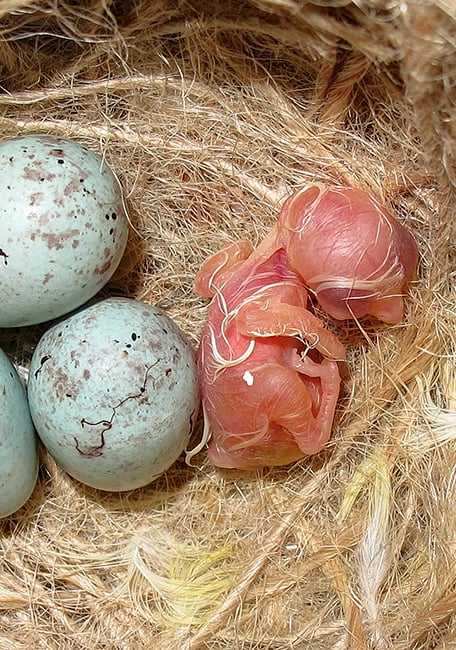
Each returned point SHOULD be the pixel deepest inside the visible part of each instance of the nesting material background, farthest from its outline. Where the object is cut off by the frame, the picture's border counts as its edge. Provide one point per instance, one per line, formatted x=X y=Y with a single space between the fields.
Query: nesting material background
x=211 y=113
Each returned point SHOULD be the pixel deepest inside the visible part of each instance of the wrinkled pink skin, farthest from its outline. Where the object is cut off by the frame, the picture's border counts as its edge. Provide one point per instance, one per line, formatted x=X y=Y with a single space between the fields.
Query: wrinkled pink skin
x=350 y=252
x=268 y=396
x=268 y=373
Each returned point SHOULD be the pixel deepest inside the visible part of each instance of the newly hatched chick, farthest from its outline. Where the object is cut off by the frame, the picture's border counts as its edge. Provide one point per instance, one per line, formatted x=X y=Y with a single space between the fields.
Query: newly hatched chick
x=350 y=252
x=268 y=370
x=268 y=374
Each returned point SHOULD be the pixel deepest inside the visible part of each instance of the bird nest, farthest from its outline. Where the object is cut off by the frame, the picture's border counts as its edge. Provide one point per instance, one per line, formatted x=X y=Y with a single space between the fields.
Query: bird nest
x=211 y=114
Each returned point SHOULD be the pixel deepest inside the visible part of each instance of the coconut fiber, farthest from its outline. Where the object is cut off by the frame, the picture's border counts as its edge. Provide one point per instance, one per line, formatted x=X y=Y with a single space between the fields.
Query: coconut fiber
x=211 y=113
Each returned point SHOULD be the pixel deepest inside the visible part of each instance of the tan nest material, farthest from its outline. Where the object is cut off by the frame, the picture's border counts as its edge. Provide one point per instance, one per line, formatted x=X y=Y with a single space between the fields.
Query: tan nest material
x=211 y=113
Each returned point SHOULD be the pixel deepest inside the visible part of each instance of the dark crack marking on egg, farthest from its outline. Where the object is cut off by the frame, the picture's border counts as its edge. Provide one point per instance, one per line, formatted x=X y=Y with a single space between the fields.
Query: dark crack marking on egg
x=5 y=256
x=42 y=362
x=94 y=451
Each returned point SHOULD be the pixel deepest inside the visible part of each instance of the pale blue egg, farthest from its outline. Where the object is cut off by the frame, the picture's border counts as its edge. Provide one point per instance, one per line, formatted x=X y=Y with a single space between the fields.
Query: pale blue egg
x=63 y=227
x=18 y=442
x=113 y=393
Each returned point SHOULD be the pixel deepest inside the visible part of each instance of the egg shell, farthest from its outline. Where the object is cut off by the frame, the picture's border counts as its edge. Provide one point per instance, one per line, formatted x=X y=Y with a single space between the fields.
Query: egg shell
x=18 y=441
x=63 y=227
x=113 y=393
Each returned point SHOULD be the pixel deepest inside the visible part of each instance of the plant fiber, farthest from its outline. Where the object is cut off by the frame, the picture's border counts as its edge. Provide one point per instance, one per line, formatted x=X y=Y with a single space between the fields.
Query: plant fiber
x=211 y=114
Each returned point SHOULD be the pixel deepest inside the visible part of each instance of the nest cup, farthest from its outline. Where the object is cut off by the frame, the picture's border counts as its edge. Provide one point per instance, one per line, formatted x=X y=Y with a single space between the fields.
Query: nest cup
x=211 y=114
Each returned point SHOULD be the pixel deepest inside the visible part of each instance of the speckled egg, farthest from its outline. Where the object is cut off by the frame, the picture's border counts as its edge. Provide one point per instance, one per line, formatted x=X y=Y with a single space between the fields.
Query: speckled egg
x=113 y=393
x=18 y=442
x=63 y=227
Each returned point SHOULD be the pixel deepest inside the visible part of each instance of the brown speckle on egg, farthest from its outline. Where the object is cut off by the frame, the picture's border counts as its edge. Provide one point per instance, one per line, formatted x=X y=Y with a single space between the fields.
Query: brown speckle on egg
x=50 y=181
x=133 y=392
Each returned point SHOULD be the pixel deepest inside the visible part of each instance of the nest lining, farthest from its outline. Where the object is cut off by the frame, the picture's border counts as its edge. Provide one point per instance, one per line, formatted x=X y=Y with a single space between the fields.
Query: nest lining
x=211 y=117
